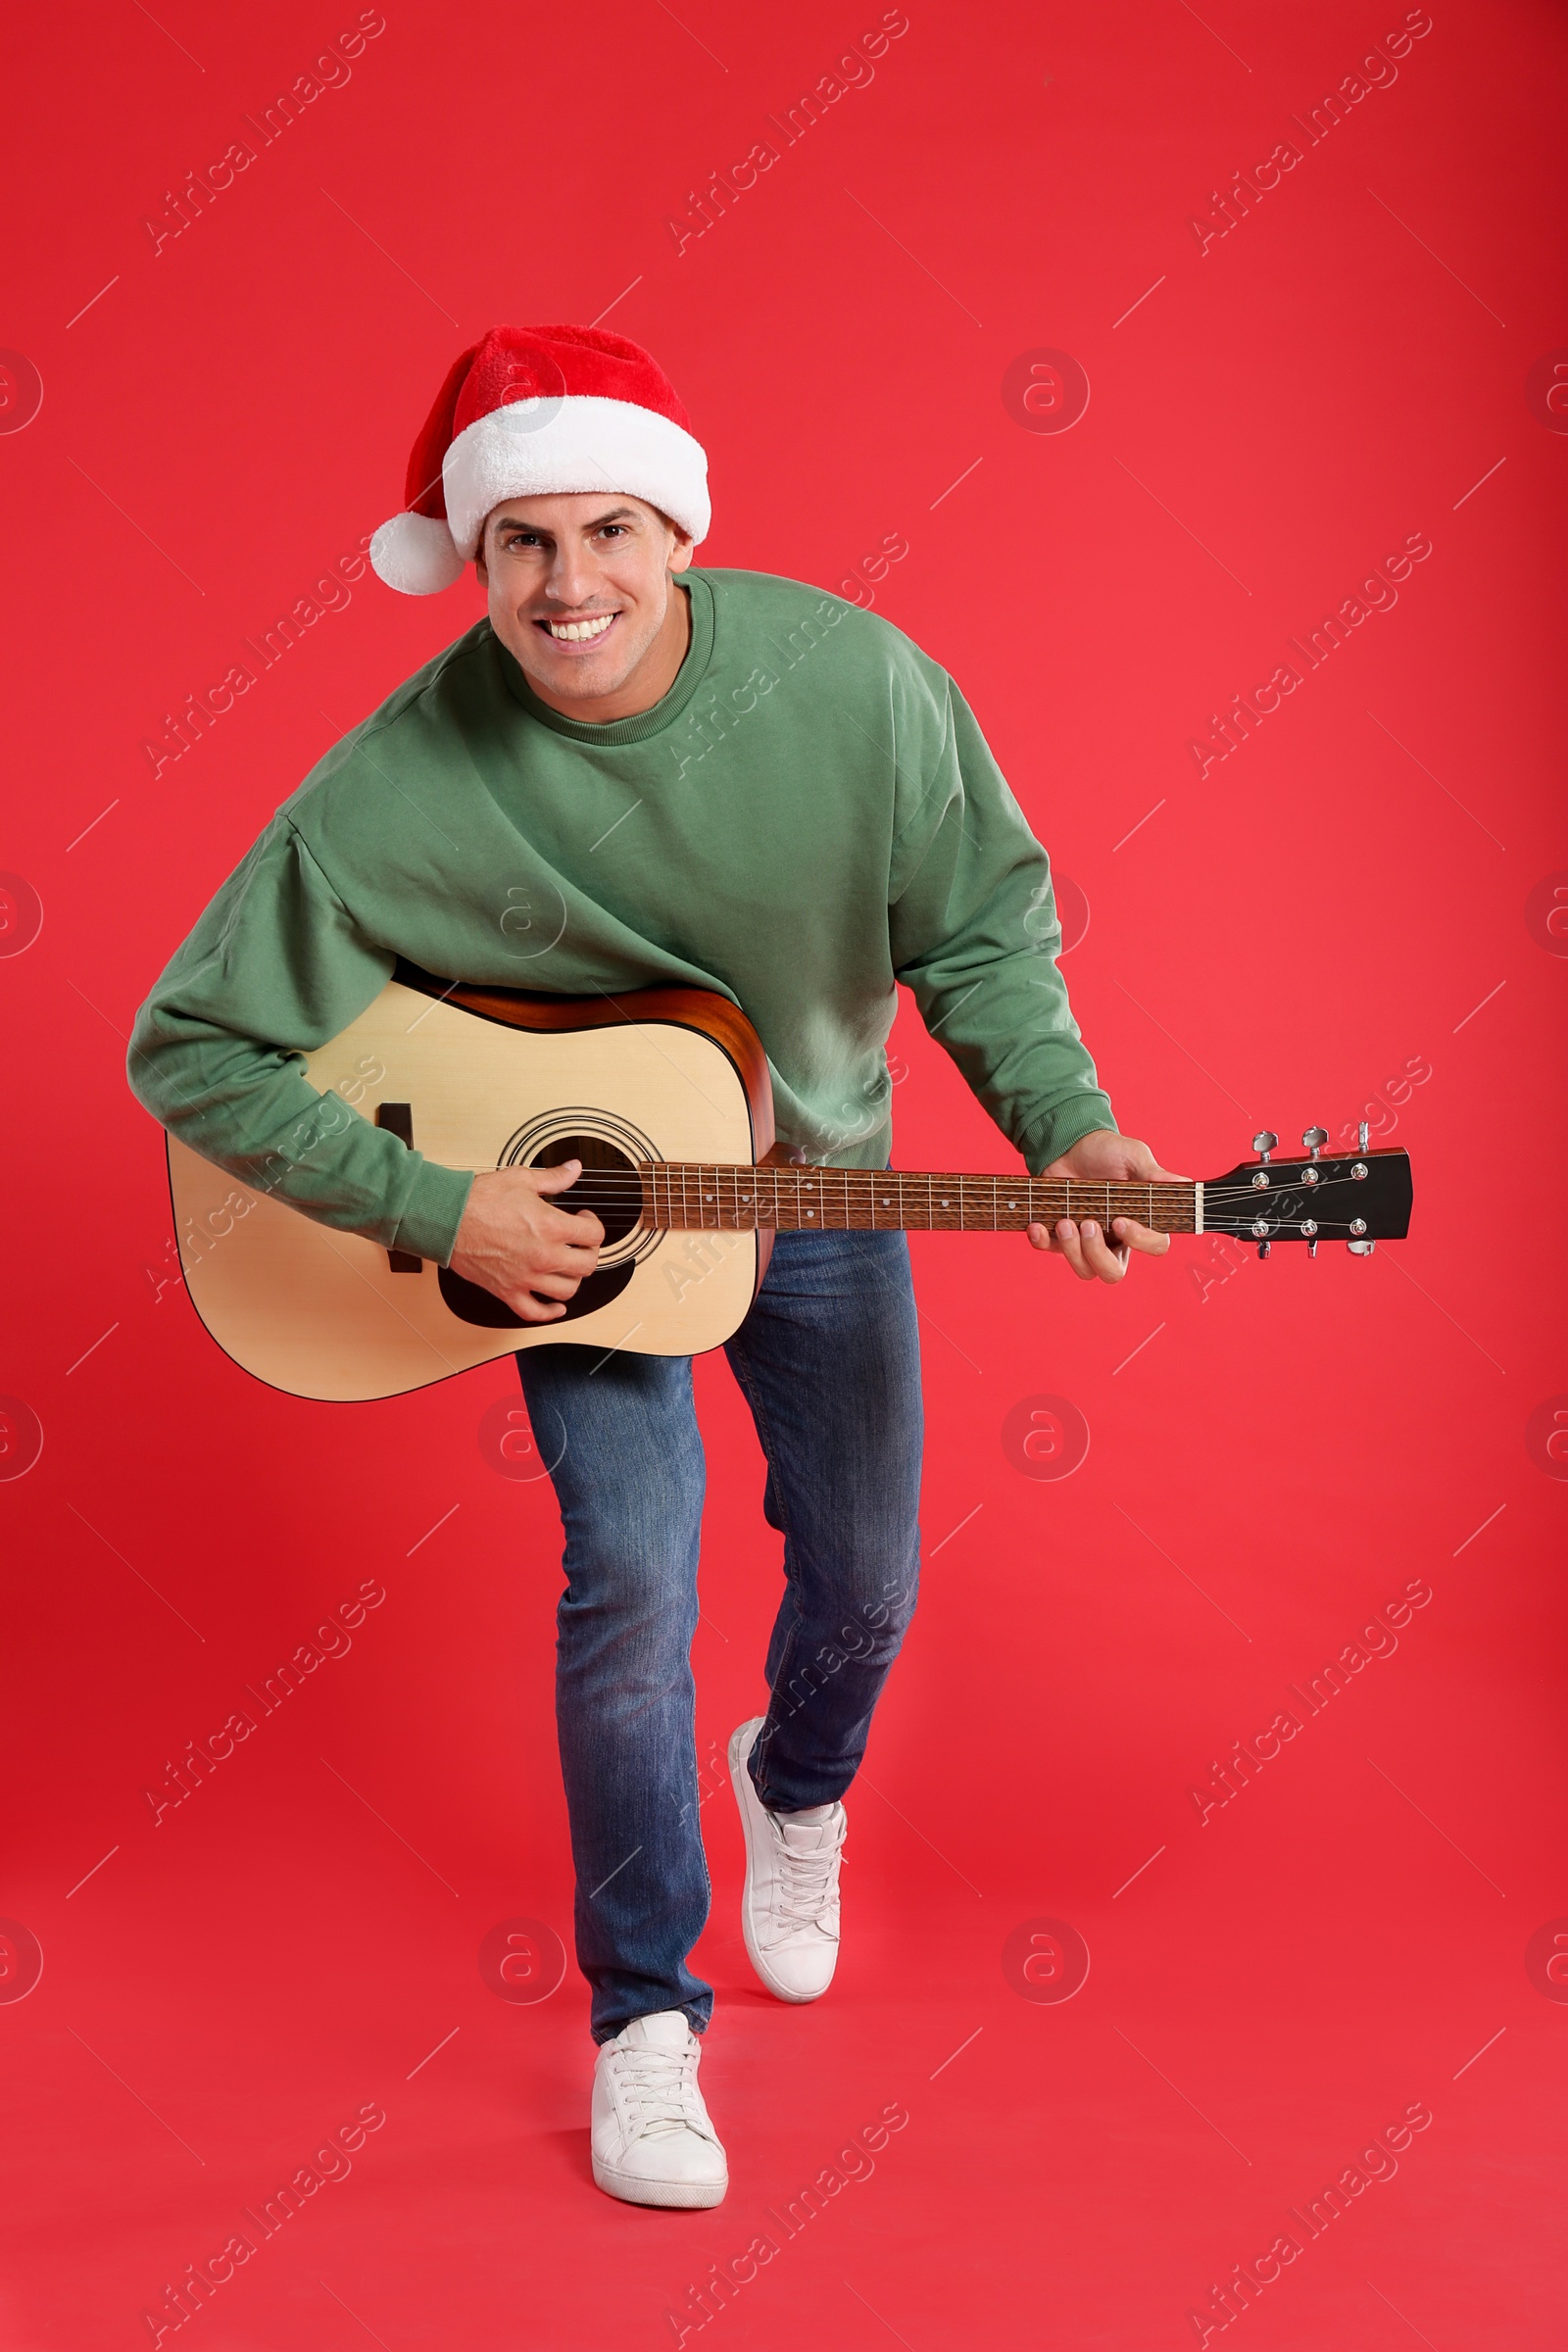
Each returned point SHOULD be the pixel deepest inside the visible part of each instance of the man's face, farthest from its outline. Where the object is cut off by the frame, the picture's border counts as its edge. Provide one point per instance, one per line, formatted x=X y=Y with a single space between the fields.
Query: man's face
x=579 y=589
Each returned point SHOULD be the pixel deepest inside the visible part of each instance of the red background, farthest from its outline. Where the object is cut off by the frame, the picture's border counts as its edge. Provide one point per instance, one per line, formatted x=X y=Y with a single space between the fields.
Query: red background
x=1346 y=899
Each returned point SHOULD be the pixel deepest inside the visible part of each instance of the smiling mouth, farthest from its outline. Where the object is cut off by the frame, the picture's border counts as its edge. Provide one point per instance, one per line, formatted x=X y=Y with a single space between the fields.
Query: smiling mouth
x=588 y=631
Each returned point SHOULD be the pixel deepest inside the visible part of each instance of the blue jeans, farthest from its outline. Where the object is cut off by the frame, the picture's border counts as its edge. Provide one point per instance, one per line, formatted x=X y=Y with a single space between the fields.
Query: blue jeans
x=828 y=1360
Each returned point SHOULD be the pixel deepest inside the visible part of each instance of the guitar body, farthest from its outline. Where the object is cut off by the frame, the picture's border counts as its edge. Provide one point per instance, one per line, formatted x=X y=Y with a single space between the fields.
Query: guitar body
x=485 y=1078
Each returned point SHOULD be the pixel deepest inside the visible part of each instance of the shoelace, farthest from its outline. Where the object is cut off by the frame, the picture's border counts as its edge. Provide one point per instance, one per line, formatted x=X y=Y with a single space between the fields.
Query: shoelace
x=657 y=2081
x=805 y=1881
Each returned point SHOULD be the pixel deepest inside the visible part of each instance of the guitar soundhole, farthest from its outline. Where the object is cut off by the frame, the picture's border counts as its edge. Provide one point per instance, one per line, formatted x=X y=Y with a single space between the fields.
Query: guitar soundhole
x=609 y=1186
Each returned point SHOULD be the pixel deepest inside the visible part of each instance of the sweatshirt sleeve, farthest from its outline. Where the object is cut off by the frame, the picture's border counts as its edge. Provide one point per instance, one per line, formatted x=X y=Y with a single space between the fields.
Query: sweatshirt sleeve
x=974 y=934
x=274 y=968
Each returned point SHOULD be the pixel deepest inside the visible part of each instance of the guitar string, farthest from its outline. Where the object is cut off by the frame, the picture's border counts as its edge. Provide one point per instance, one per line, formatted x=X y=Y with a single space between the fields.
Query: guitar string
x=632 y=1190
x=626 y=1192
x=614 y=1191
x=611 y=1181
x=1215 y=1220
x=1167 y=1194
x=1218 y=1202
x=615 y=1186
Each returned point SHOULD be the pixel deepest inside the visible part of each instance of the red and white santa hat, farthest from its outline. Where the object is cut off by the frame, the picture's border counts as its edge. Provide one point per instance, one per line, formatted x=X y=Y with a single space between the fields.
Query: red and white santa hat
x=527 y=411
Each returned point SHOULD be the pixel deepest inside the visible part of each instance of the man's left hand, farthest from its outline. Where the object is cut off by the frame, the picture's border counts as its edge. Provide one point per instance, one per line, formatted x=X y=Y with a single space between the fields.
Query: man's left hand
x=1105 y=1157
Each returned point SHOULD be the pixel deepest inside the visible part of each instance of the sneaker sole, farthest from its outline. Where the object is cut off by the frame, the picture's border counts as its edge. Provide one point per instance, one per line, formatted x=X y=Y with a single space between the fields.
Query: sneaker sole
x=631 y=2191
x=737 y=1773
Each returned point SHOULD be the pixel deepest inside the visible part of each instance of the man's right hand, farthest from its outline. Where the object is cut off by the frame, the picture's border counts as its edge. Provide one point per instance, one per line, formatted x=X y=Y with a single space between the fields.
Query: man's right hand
x=513 y=1242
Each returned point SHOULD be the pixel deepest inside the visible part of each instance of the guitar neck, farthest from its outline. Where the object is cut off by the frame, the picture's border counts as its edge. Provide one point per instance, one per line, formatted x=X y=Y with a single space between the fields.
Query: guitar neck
x=684 y=1197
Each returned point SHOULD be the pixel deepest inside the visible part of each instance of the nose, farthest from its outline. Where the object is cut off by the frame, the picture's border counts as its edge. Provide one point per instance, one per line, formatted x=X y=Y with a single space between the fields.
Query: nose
x=572 y=577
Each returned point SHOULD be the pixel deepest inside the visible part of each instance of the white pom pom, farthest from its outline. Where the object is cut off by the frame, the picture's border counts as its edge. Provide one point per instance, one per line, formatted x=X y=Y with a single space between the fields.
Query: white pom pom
x=416 y=554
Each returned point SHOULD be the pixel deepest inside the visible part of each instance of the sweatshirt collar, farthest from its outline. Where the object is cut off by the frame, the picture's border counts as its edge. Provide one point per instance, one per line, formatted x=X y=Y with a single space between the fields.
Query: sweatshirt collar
x=637 y=730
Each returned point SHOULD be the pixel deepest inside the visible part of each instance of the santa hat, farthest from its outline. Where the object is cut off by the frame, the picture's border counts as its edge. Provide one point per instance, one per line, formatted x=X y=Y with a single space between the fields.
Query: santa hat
x=531 y=411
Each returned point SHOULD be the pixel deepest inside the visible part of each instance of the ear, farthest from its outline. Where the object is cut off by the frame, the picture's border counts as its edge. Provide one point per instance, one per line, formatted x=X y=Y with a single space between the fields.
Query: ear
x=481 y=569
x=683 y=547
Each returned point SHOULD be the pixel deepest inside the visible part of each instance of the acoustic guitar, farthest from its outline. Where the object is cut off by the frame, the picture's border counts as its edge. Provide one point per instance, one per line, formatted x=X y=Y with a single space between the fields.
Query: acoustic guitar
x=664 y=1096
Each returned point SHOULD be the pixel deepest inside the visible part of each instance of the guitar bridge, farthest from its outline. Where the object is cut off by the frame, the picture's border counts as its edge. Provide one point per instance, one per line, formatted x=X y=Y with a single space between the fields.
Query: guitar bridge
x=398 y=1120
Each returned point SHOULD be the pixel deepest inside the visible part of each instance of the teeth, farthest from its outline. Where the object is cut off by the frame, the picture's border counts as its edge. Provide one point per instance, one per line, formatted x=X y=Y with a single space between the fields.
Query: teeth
x=574 y=633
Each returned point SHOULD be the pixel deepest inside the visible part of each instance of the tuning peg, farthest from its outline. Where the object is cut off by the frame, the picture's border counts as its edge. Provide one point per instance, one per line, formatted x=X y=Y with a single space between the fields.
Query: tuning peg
x=1312 y=1247
x=1264 y=1143
x=1361 y=1134
x=1314 y=1139
x=1263 y=1249
x=1360 y=1249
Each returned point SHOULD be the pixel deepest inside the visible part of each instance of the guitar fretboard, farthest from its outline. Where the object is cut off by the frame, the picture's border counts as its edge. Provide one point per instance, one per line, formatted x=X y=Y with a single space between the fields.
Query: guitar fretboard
x=685 y=1197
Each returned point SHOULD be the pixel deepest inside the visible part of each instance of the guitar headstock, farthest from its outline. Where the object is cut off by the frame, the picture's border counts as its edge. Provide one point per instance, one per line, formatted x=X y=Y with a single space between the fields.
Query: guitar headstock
x=1360 y=1197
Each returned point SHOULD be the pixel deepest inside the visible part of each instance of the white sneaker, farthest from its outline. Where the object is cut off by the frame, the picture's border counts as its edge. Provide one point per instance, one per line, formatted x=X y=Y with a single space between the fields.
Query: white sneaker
x=653 y=2143
x=790 y=1902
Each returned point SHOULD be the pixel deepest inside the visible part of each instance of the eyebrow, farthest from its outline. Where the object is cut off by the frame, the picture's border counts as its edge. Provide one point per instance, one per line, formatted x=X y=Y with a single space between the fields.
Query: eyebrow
x=516 y=523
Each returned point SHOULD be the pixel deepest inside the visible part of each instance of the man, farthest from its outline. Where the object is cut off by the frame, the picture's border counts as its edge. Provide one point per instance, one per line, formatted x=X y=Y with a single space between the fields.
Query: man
x=631 y=773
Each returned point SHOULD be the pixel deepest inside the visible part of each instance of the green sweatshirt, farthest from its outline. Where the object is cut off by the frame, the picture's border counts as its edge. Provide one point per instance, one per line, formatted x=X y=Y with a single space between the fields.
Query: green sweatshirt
x=808 y=816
